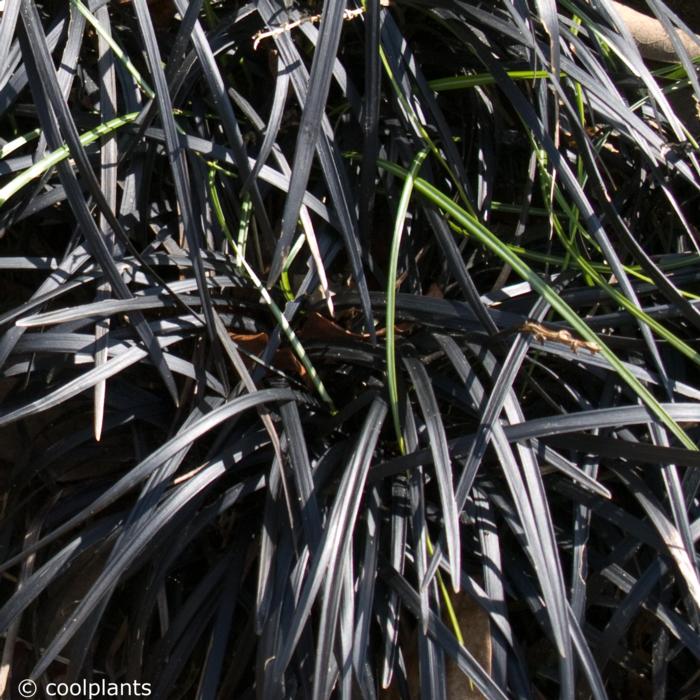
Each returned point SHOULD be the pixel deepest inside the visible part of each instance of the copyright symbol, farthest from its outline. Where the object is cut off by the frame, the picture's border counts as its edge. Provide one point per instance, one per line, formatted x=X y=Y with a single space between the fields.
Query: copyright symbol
x=27 y=688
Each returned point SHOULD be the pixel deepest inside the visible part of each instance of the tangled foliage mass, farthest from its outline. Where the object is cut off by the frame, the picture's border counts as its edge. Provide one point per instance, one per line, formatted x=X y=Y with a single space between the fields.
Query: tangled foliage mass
x=314 y=314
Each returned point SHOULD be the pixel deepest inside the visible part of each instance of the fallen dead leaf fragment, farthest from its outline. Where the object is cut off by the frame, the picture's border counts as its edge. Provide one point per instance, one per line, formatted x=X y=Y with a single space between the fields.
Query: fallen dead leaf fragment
x=652 y=39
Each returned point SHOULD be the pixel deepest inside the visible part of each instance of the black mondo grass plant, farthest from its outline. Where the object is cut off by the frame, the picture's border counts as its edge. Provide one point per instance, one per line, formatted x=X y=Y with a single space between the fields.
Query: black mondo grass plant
x=349 y=349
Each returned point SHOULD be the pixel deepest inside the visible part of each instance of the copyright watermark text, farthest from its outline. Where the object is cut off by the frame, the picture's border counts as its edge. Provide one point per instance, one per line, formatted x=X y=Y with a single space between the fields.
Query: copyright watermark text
x=86 y=689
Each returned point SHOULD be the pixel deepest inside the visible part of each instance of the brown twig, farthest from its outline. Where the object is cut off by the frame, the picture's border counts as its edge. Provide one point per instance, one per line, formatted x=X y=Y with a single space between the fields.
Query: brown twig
x=288 y=26
x=540 y=333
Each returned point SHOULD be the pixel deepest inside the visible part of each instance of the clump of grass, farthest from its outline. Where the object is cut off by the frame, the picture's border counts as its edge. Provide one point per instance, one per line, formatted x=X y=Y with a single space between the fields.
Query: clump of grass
x=308 y=325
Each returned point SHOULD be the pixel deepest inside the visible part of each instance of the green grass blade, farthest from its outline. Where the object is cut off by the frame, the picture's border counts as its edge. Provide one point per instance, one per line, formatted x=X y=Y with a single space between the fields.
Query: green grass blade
x=55 y=157
x=145 y=87
x=288 y=331
x=464 y=82
x=399 y=221
x=523 y=270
